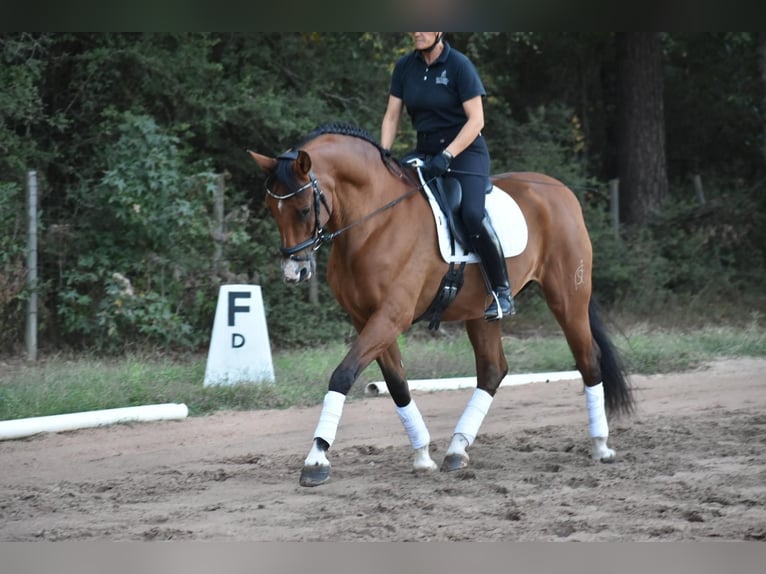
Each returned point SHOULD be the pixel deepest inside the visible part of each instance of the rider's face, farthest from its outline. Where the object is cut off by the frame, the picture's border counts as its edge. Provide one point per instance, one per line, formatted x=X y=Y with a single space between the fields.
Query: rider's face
x=424 y=40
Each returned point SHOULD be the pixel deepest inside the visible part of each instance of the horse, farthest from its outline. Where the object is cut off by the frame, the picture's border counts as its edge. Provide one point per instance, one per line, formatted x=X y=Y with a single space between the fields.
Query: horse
x=339 y=186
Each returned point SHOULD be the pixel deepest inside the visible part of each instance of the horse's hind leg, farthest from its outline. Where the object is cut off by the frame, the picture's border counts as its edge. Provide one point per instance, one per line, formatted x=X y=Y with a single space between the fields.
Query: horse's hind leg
x=391 y=367
x=570 y=307
x=491 y=367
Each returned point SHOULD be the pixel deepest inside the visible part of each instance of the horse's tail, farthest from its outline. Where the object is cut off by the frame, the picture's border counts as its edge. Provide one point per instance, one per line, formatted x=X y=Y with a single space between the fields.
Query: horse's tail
x=618 y=394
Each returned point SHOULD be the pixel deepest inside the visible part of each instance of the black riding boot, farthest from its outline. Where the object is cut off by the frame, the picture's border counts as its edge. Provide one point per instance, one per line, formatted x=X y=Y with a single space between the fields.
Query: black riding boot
x=487 y=247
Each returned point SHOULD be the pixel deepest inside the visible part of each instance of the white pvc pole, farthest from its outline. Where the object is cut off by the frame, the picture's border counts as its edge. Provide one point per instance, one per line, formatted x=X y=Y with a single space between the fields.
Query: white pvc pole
x=379 y=388
x=57 y=423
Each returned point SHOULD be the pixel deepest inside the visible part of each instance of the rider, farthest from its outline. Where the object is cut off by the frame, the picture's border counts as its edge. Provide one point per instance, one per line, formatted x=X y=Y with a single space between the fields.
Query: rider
x=442 y=92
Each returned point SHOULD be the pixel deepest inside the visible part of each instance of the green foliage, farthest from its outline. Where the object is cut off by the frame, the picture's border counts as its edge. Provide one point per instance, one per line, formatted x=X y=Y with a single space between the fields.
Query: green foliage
x=13 y=273
x=714 y=103
x=687 y=249
x=550 y=143
x=140 y=283
x=21 y=101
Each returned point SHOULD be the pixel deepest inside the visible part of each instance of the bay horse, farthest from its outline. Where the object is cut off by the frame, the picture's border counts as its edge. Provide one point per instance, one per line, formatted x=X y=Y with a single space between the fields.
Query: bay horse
x=385 y=269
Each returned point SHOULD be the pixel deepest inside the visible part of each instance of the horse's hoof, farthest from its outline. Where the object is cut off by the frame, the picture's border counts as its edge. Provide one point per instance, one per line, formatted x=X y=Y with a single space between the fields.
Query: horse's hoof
x=607 y=457
x=425 y=468
x=423 y=462
x=600 y=452
x=314 y=475
x=603 y=455
x=454 y=462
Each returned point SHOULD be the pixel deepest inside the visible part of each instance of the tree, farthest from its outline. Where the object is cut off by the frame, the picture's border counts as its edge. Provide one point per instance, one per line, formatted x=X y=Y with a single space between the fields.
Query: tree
x=762 y=63
x=641 y=137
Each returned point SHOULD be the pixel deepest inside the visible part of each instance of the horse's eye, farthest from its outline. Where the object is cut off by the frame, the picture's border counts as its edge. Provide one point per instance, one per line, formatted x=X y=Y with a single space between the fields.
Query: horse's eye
x=304 y=212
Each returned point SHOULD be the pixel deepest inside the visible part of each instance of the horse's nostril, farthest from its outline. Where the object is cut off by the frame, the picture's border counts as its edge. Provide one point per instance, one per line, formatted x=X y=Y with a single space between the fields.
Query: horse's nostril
x=304 y=274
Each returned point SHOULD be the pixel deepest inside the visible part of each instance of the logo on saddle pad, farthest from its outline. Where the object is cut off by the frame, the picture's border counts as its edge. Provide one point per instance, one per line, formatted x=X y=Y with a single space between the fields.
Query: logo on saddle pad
x=505 y=215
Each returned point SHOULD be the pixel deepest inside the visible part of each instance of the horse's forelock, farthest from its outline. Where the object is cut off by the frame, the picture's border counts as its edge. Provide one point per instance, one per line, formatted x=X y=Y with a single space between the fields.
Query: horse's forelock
x=285 y=174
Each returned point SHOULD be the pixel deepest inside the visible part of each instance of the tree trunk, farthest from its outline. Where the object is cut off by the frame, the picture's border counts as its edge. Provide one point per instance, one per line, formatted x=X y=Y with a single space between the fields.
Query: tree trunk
x=762 y=63
x=641 y=140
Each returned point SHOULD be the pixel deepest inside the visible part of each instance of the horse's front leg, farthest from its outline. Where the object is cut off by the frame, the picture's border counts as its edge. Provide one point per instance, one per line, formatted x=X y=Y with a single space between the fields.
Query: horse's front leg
x=316 y=467
x=466 y=430
x=393 y=373
x=491 y=367
x=376 y=335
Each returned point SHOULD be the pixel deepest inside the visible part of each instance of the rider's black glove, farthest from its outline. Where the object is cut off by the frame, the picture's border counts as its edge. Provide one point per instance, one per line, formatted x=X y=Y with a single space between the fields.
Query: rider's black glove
x=437 y=165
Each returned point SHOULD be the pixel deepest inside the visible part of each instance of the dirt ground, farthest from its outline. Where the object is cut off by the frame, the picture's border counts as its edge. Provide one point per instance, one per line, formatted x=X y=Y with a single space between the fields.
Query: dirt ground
x=691 y=466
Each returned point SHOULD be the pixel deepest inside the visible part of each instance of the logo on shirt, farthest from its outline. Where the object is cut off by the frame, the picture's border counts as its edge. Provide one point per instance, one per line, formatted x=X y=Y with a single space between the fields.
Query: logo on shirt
x=442 y=79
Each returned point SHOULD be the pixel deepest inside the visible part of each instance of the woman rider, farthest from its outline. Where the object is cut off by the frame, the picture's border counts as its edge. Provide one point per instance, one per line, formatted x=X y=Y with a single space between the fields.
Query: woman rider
x=442 y=92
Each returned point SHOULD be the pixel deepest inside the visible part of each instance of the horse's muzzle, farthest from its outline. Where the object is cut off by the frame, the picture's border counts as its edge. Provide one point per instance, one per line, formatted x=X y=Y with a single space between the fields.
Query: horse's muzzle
x=298 y=269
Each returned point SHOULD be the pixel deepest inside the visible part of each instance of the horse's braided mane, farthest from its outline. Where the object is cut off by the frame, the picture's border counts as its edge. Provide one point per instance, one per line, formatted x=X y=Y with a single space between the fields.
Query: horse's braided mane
x=285 y=174
x=340 y=128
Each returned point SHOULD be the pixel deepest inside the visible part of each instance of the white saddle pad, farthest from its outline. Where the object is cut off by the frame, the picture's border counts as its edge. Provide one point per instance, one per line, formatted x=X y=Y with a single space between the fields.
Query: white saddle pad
x=506 y=218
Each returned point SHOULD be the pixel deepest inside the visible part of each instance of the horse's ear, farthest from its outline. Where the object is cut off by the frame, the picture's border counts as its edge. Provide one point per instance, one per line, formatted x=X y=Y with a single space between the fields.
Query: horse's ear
x=266 y=163
x=303 y=162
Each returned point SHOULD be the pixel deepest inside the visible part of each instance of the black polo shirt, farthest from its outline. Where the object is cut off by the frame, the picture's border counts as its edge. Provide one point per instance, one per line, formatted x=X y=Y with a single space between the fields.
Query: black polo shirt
x=434 y=95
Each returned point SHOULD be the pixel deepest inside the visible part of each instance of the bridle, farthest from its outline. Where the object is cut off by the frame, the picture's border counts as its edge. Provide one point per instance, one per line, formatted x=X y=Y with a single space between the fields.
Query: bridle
x=320 y=236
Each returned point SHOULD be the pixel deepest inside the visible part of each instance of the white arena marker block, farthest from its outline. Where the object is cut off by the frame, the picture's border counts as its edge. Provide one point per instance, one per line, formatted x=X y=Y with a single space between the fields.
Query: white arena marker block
x=240 y=351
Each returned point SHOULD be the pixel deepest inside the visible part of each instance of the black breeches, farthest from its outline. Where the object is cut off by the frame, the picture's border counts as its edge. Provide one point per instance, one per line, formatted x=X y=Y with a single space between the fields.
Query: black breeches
x=471 y=168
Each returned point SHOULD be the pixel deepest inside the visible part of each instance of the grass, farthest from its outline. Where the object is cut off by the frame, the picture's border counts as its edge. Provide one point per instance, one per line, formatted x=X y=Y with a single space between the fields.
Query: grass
x=59 y=384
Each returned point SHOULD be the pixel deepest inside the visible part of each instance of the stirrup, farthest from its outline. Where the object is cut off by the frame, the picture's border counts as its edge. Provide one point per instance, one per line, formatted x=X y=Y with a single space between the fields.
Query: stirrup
x=502 y=305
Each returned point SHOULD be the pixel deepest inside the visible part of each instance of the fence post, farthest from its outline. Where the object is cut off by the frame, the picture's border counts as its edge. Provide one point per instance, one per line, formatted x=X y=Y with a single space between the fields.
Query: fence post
x=614 y=205
x=31 y=327
x=218 y=215
x=697 y=182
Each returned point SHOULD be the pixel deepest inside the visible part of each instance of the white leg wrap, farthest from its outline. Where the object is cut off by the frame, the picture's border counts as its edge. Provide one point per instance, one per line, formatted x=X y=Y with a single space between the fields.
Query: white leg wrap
x=473 y=415
x=329 y=420
x=594 y=399
x=413 y=423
